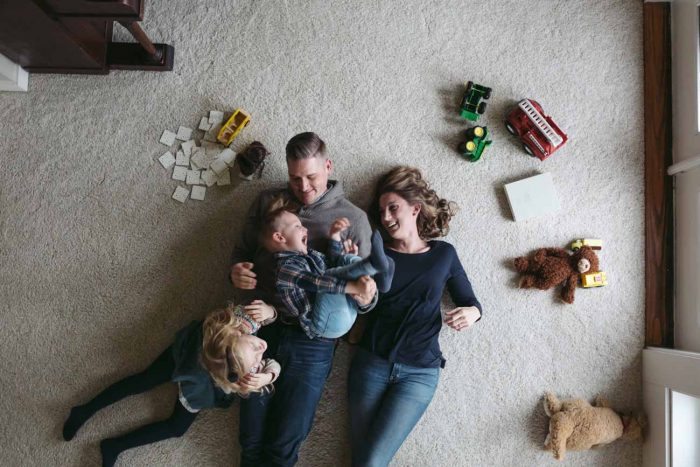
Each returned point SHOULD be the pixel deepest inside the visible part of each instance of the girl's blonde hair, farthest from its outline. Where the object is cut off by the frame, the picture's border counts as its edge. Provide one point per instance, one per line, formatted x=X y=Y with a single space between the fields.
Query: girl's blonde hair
x=407 y=182
x=220 y=351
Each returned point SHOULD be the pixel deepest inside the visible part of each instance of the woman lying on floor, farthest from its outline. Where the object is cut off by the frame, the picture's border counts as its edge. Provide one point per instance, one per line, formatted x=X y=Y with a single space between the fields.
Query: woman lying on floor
x=395 y=371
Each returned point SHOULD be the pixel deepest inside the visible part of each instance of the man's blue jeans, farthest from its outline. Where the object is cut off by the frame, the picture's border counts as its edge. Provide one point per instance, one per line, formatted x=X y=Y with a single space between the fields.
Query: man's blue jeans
x=272 y=431
x=334 y=314
x=386 y=400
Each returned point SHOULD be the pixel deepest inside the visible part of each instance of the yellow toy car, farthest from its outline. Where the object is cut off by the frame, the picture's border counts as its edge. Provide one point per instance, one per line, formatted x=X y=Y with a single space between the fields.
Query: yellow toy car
x=594 y=243
x=233 y=126
x=594 y=279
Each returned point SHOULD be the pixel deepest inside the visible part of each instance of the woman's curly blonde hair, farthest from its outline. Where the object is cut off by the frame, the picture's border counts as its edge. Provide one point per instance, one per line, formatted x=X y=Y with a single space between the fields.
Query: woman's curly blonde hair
x=407 y=182
x=220 y=353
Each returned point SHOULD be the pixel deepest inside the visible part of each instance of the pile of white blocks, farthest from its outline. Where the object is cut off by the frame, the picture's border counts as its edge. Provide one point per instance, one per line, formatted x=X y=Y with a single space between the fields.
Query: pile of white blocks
x=199 y=166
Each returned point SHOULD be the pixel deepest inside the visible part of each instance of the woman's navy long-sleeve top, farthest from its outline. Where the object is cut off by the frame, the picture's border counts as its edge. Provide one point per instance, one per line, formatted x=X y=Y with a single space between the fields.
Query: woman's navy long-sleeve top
x=404 y=326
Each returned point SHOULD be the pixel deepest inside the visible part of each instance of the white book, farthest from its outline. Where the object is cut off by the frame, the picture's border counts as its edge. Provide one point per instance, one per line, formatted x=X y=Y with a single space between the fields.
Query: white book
x=532 y=197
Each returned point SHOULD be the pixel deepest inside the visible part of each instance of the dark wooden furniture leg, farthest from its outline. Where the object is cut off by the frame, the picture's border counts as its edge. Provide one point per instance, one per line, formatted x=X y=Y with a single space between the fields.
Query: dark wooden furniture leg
x=142 y=56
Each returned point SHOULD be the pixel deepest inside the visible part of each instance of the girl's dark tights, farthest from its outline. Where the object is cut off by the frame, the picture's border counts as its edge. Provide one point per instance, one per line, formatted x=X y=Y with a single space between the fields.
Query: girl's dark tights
x=159 y=372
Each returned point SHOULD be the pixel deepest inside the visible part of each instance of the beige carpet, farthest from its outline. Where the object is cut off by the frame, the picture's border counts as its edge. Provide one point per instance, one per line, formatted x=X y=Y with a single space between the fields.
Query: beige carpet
x=99 y=267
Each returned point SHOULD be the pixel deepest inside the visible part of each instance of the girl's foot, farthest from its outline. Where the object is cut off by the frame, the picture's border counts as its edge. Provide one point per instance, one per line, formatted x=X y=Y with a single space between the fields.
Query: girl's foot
x=78 y=416
x=110 y=452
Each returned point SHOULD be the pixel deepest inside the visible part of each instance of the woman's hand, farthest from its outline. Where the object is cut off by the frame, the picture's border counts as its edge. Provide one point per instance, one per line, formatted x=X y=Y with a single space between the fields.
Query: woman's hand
x=462 y=317
x=253 y=382
x=259 y=311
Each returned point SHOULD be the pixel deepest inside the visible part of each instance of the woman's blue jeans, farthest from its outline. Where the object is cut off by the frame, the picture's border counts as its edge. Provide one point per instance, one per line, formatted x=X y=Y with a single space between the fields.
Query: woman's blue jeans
x=386 y=401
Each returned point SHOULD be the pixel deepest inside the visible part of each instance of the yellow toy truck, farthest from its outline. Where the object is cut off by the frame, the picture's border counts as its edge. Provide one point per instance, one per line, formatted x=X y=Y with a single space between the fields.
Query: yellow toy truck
x=229 y=130
x=594 y=243
x=594 y=279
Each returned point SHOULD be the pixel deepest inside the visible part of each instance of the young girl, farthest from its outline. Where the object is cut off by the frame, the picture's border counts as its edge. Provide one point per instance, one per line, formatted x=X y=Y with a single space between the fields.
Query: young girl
x=211 y=361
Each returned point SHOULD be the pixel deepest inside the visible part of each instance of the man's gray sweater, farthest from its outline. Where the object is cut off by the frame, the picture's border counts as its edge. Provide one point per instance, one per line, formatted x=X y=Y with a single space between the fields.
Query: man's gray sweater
x=316 y=217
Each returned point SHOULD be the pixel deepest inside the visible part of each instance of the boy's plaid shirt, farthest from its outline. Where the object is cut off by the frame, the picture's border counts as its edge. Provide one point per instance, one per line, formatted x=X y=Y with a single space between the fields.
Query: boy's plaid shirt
x=300 y=277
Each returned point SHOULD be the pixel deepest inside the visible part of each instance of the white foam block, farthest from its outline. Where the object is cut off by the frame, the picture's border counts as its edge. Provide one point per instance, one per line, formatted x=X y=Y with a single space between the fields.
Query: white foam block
x=228 y=156
x=224 y=178
x=168 y=138
x=193 y=177
x=215 y=117
x=198 y=193
x=184 y=133
x=181 y=194
x=212 y=133
x=199 y=160
x=208 y=177
x=532 y=197
x=166 y=160
x=204 y=124
x=187 y=147
x=218 y=166
x=211 y=148
x=180 y=173
x=182 y=159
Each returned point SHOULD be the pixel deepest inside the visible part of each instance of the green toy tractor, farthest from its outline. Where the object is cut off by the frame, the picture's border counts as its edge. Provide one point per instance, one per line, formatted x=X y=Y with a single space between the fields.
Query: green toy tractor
x=472 y=105
x=475 y=144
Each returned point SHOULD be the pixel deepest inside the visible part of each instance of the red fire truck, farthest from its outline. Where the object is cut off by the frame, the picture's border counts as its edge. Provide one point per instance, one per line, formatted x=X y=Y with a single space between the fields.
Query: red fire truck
x=538 y=132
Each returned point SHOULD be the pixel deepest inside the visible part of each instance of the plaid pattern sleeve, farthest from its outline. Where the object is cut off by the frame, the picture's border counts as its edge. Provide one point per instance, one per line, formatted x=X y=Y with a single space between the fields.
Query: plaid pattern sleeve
x=335 y=252
x=294 y=273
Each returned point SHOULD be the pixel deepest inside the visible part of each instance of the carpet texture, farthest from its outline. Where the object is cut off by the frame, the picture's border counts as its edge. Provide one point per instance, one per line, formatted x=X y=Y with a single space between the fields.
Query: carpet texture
x=99 y=266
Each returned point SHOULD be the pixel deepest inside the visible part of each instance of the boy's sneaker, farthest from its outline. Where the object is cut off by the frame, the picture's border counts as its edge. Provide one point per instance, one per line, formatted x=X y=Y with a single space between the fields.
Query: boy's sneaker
x=252 y=160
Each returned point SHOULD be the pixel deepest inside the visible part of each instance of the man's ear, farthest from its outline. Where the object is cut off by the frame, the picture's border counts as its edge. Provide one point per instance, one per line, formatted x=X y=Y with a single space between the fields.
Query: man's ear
x=329 y=166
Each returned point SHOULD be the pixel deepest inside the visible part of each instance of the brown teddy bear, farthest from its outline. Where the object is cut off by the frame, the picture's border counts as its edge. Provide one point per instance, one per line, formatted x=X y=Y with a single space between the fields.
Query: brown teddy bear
x=576 y=425
x=550 y=267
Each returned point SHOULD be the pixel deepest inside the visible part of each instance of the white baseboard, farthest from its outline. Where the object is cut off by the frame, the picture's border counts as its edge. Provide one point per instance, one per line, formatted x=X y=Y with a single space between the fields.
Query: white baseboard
x=12 y=76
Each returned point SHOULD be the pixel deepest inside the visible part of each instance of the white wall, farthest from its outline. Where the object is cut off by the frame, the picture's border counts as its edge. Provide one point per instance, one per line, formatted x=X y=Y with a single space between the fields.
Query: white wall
x=686 y=144
x=12 y=76
x=685 y=427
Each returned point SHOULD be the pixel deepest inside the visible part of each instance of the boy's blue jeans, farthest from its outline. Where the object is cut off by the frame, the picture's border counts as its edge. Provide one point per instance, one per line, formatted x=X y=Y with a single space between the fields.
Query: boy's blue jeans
x=386 y=400
x=334 y=314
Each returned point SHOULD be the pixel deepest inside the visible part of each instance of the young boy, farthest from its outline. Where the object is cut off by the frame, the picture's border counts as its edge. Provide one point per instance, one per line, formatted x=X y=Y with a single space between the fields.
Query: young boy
x=307 y=286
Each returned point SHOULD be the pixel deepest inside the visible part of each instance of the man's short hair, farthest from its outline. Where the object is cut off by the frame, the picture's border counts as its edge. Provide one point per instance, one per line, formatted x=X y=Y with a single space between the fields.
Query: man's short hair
x=305 y=146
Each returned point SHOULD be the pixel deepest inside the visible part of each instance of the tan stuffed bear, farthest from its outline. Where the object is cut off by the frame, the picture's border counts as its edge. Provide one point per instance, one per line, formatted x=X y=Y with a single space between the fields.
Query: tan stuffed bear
x=576 y=425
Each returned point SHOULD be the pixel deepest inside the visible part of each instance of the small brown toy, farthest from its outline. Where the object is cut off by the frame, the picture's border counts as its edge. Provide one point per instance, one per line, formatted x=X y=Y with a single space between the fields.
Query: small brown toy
x=576 y=425
x=252 y=160
x=550 y=267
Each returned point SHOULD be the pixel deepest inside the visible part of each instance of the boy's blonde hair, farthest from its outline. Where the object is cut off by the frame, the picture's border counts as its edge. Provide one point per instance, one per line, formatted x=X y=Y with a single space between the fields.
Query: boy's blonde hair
x=273 y=211
x=220 y=355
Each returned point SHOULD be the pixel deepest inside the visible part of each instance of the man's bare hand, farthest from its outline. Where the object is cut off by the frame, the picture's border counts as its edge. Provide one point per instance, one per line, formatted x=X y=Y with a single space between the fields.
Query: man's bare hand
x=243 y=277
x=370 y=289
x=361 y=286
